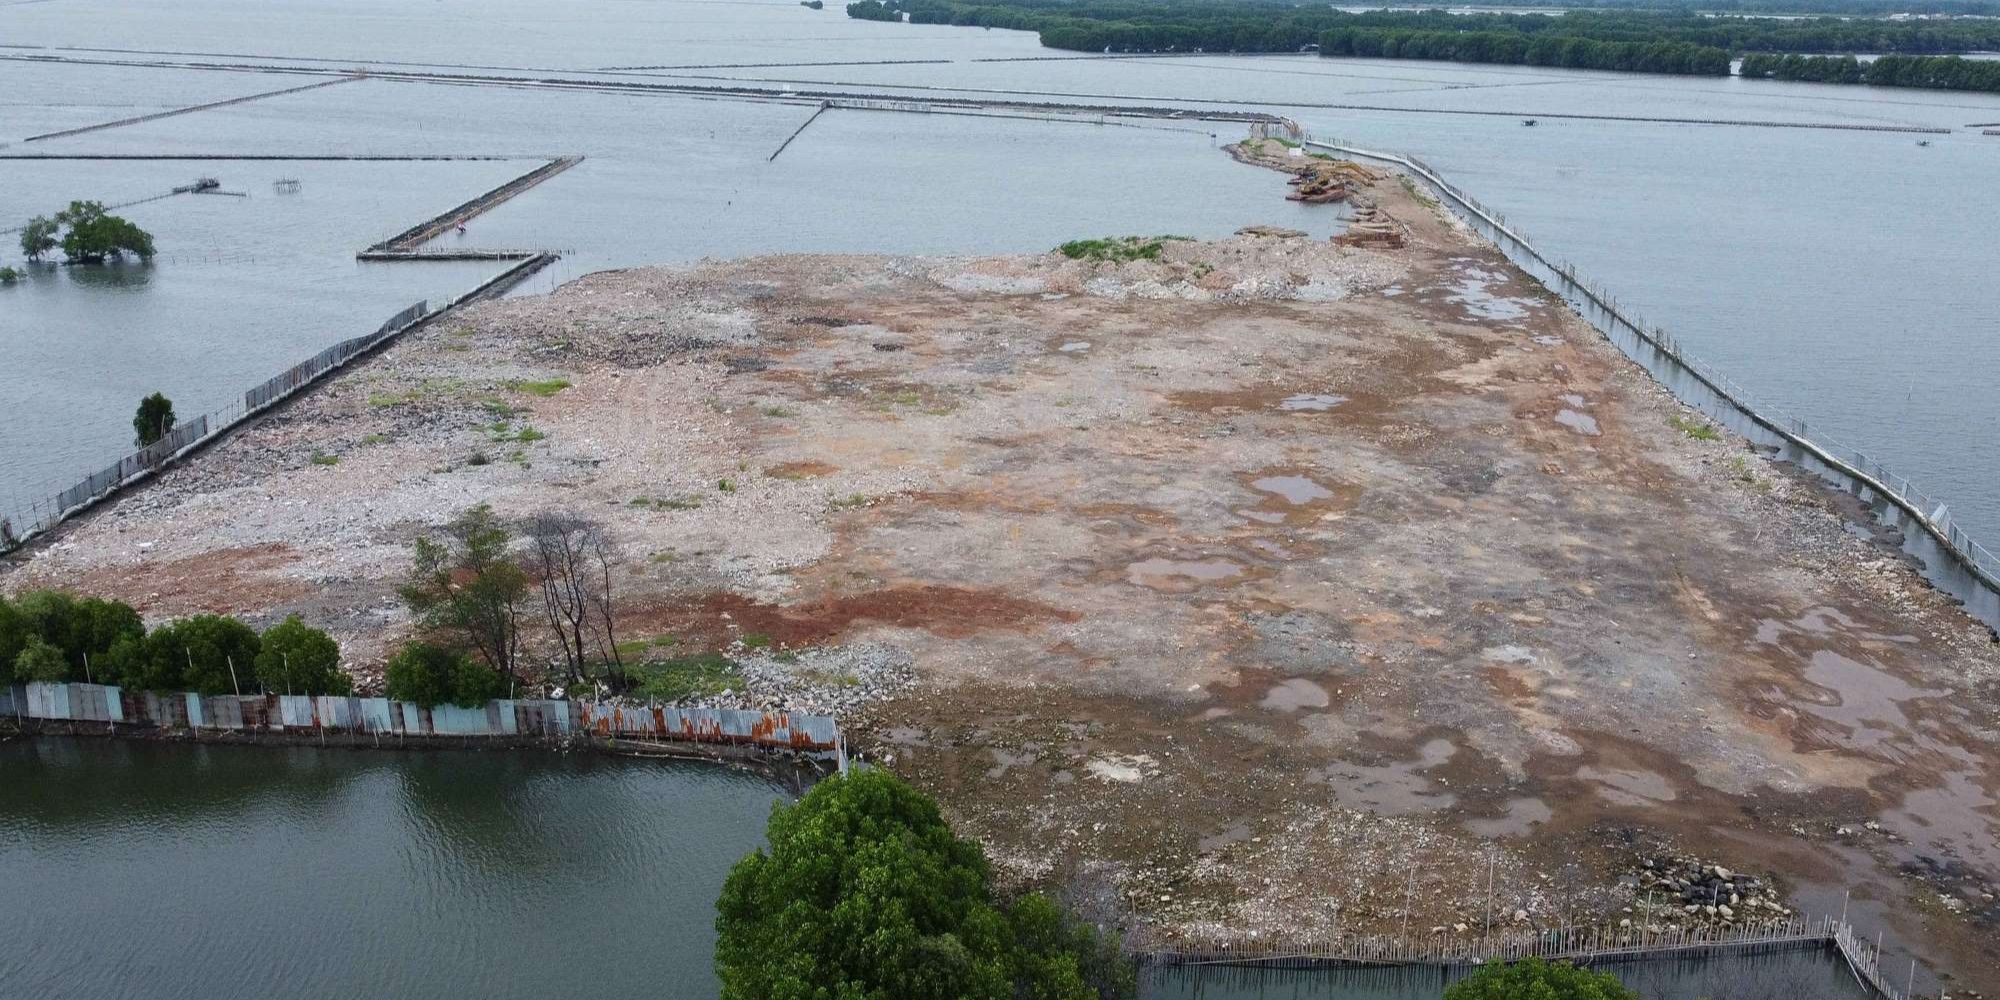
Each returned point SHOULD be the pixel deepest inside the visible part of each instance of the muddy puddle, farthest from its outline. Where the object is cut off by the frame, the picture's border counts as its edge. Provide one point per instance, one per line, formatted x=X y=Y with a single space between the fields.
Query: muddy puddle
x=1178 y=574
x=1295 y=695
x=1396 y=788
x=1310 y=402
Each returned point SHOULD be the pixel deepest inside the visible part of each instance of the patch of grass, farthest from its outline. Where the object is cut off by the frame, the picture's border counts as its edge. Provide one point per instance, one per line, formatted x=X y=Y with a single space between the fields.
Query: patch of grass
x=777 y=412
x=544 y=388
x=850 y=501
x=322 y=458
x=725 y=486
x=691 y=676
x=756 y=640
x=385 y=399
x=1696 y=428
x=1416 y=192
x=375 y=439
x=645 y=646
x=1117 y=249
x=498 y=408
x=529 y=435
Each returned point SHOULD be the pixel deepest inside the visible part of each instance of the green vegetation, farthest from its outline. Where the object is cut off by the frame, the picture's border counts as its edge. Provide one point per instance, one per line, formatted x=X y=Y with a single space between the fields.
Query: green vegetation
x=543 y=388
x=683 y=502
x=153 y=420
x=464 y=584
x=8 y=275
x=295 y=658
x=756 y=640
x=1117 y=248
x=38 y=237
x=322 y=458
x=725 y=486
x=850 y=502
x=529 y=435
x=433 y=675
x=1676 y=40
x=864 y=893
x=694 y=676
x=1534 y=979
x=1694 y=427
x=211 y=654
x=1927 y=72
x=88 y=235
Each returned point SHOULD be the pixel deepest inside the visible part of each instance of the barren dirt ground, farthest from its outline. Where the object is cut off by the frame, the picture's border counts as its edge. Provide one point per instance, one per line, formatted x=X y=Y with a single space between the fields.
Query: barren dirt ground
x=1254 y=587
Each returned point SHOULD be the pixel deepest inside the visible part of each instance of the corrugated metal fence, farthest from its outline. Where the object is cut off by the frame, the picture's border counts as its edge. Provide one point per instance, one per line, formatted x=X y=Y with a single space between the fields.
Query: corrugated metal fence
x=316 y=714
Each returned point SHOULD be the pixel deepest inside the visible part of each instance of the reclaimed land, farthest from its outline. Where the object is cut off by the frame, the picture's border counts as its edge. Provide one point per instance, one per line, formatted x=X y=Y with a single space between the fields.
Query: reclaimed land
x=1257 y=586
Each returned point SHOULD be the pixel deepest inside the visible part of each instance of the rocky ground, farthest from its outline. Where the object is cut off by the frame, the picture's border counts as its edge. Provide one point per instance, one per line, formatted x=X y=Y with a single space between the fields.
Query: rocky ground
x=1260 y=587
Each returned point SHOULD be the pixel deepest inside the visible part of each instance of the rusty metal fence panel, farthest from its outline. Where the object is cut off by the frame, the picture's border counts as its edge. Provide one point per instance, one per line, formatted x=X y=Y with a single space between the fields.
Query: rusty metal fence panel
x=340 y=713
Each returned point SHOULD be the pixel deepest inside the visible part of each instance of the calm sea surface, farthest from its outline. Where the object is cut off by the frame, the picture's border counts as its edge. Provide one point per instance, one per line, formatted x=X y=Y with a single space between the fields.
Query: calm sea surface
x=1844 y=276
x=213 y=873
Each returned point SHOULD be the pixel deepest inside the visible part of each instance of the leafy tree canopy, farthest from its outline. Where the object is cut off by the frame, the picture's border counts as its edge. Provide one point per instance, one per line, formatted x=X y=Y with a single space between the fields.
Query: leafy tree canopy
x=91 y=235
x=38 y=237
x=210 y=654
x=864 y=893
x=1534 y=979
x=295 y=658
x=434 y=675
x=154 y=419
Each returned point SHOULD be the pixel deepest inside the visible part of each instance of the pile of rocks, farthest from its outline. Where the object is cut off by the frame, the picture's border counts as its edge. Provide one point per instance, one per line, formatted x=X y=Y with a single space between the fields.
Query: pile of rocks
x=1705 y=893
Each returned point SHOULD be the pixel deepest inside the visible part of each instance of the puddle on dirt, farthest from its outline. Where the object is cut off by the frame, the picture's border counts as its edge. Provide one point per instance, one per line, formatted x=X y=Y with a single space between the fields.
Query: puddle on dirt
x=1121 y=768
x=1160 y=572
x=1295 y=694
x=1519 y=819
x=1547 y=341
x=1214 y=842
x=1474 y=294
x=905 y=736
x=1074 y=346
x=1582 y=423
x=1311 y=401
x=1295 y=489
x=1508 y=654
x=1005 y=759
x=1393 y=789
x=1629 y=786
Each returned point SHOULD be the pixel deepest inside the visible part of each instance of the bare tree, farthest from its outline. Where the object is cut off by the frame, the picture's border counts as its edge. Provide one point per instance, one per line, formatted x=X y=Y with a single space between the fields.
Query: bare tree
x=571 y=560
x=466 y=583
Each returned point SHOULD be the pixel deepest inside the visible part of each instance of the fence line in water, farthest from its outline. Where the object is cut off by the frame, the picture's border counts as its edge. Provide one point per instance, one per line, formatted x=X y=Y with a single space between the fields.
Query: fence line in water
x=84 y=707
x=1569 y=943
x=1702 y=385
x=23 y=517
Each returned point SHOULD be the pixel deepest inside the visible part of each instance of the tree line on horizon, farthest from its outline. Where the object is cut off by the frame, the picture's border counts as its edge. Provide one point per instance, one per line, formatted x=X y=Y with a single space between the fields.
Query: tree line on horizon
x=1647 y=41
x=1928 y=72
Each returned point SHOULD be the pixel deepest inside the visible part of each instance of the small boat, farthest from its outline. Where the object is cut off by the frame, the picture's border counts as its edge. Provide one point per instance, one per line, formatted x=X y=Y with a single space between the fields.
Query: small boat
x=1530 y=122
x=1923 y=142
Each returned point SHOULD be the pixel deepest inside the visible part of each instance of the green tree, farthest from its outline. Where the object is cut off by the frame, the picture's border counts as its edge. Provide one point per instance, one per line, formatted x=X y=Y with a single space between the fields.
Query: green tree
x=38 y=237
x=431 y=675
x=14 y=633
x=466 y=585
x=1534 y=979
x=295 y=658
x=40 y=661
x=211 y=654
x=91 y=235
x=154 y=419
x=864 y=893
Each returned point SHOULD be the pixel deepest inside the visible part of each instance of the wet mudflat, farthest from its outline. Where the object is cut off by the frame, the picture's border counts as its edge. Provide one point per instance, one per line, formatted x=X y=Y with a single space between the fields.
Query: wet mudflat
x=139 y=870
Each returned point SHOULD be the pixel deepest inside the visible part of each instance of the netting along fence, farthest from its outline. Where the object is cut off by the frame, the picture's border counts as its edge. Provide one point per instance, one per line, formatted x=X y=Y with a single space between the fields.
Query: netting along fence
x=1702 y=385
x=22 y=518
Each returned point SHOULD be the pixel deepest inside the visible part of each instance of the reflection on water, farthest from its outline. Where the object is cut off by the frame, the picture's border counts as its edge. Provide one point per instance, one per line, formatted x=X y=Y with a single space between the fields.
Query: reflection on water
x=150 y=870
x=1818 y=974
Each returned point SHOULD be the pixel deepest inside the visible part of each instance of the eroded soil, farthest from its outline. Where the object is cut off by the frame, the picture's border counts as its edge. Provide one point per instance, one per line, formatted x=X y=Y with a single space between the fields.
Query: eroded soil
x=1266 y=585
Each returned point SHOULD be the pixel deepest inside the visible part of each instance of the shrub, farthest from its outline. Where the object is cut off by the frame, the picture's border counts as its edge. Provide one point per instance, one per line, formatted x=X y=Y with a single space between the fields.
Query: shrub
x=864 y=893
x=91 y=235
x=209 y=654
x=8 y=275
x=154 y=419
x=433 y=675
x=40 y=661
x=1117 y=248
x=1534 y=979
x=38 y=237
x=296 y=658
